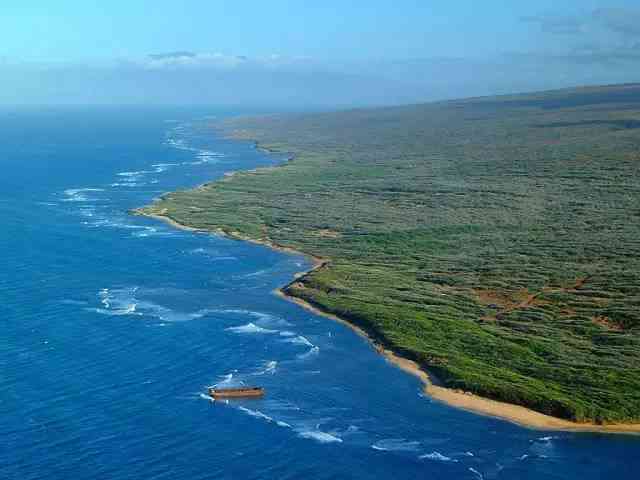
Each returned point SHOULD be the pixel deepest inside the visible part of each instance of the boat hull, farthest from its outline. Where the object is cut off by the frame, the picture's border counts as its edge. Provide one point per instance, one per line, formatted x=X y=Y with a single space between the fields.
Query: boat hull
x=217 y=393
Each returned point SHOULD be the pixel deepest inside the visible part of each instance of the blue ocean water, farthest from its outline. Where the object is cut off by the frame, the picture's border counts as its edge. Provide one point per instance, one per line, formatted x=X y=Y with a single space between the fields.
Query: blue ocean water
x=113 y=326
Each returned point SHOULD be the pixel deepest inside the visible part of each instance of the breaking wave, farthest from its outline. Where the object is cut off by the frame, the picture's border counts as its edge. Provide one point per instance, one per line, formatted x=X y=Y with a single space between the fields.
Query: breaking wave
x=263 y=319
x=319 y=436
x=476 y=473
x=126 y=301
x=80 y=194
x=312 y=352
x=212 y=255
x=437 y=456
x=396 y=445
x=268 y=368
x=250 y=328
x=134 y=174
x=299 y=340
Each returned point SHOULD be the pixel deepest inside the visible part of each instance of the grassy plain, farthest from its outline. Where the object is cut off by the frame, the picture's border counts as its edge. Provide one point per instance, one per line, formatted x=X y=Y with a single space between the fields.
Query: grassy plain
x=496 y=241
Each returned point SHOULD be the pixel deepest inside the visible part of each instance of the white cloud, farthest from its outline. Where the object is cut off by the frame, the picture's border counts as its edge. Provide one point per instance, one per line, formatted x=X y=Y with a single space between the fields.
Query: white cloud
x=220 y=61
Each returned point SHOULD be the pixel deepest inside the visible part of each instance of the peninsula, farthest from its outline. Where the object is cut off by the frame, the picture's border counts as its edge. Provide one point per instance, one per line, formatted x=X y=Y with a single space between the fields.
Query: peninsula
x=493 y=242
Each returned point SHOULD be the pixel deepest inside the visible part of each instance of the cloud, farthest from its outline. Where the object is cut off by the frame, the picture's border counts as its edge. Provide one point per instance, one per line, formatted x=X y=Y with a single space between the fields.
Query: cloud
x=172 y=55
x=556 y=24
x=192 y=60
x=625 y=21
x=219 y=61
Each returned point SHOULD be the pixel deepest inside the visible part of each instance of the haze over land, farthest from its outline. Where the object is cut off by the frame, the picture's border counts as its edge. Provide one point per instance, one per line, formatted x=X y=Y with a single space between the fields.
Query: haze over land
x=288 y=55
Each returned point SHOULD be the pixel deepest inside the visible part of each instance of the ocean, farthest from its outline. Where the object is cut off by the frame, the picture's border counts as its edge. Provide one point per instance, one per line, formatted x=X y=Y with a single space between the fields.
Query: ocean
x=113 y=326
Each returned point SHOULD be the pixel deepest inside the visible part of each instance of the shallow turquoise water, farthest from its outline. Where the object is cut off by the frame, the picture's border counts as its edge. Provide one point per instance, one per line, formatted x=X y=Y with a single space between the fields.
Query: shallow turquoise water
x=113 y=326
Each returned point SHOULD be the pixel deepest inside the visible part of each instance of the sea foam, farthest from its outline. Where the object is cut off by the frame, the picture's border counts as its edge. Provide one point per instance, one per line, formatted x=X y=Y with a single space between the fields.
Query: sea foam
x=268 y=368
x=396 y=445
x=319 y=436
x=250 y=328
x=299 y=340
x=437 y=456
x=476 y=473
x=312 y=352
x=79 y=194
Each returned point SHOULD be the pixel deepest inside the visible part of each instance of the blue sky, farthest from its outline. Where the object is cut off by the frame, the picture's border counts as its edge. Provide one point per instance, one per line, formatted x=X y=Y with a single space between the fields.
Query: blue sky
x=77 y=29
x=401 y=44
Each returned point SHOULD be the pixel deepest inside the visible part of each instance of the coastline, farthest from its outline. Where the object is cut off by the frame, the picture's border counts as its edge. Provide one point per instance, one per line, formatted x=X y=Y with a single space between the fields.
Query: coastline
x=317 y=261
x=517 y=414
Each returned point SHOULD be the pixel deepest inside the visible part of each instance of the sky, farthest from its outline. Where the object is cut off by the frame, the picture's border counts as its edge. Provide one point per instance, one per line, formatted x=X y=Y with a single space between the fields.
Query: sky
x=286 y=53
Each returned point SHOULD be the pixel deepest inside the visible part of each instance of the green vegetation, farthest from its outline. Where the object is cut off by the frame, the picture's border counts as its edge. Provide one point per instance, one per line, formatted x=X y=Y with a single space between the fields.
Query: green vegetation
x=494 y=240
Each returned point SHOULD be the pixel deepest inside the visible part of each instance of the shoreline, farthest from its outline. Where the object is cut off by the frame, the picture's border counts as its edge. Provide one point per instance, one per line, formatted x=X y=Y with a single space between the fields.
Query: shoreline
x=317 y=261
x=519 y=415
x=522 y=416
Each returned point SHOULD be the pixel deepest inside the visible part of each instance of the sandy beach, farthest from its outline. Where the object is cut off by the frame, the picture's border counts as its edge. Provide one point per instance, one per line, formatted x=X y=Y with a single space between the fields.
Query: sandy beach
x=522 y=416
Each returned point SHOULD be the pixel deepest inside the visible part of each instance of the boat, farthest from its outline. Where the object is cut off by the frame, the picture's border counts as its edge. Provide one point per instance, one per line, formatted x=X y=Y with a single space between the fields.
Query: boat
x=241 y=392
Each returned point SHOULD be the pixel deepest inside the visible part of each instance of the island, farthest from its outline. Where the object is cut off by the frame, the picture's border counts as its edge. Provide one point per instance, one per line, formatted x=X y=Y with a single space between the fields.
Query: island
x=491 y=243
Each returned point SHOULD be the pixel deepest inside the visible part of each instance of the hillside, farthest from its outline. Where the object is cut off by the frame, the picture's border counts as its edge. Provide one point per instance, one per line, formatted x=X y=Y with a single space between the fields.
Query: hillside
x=494 y=240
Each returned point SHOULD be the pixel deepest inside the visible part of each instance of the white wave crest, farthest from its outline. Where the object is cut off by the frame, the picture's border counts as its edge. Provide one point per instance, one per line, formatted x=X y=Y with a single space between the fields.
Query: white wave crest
x=300 y=340
x=79 y=194
x=138 y=173
x=212 y=255
x=164 y=165
x=396 y=445
x=250 y=328
x=256 y=274
x=322 y=437
x=126 y=301
x=268 y=368
x=313 y=351
x=476 y=473
x=127 y=184
x=437 y=456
